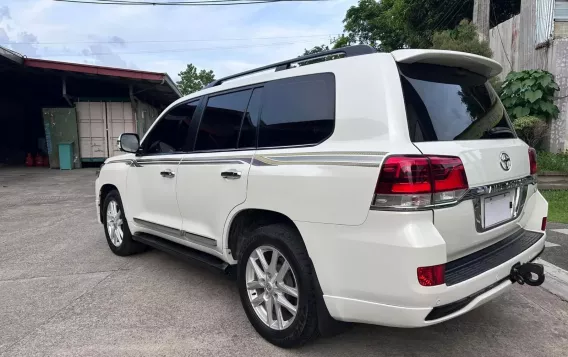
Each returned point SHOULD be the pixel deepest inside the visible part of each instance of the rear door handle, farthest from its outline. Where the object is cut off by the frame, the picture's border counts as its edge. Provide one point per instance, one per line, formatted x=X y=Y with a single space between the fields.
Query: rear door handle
x=167 y=173
x=231 y=174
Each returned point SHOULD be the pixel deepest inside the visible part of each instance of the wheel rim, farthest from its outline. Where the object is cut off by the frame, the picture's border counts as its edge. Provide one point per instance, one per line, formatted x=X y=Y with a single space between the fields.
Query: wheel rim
x=272 y=287
x=114 y=223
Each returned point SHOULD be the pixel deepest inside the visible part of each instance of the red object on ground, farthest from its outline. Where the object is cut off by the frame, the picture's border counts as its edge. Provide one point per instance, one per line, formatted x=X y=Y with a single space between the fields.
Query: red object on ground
x=46 y=161
x=38 y=160
x=29 y=160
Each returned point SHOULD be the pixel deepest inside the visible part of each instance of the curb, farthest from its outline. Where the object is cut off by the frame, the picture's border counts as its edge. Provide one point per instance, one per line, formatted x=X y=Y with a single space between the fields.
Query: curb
x=556 y=281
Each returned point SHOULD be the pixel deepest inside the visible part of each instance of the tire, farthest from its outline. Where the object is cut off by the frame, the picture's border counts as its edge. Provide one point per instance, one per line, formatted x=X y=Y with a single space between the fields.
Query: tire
x=286 y=330
x=125 y=246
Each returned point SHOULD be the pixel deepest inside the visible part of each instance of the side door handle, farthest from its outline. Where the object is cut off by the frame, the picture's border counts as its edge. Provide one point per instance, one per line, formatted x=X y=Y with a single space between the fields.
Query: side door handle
x=231 y=174
x=167 y=173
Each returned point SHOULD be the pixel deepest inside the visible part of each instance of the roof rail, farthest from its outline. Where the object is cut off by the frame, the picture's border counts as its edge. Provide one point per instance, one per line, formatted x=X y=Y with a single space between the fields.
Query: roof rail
x=349 y=51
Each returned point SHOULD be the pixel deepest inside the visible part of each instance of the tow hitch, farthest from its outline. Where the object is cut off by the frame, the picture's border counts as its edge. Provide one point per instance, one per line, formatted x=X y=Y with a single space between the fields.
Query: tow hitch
x=525 y=273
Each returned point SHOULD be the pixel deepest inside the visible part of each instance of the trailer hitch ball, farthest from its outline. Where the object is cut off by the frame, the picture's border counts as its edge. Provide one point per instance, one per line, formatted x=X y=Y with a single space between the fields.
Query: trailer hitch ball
x=530 y=273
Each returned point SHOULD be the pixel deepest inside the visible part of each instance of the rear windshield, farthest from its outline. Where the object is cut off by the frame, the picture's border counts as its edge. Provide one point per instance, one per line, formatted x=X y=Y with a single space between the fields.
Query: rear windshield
x=447 y=103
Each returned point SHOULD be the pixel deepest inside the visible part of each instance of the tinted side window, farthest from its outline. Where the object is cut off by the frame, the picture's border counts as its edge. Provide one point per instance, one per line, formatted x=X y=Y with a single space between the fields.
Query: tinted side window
x=247 y=137
x=298 y=111
x=221 y=122
x=170 y=133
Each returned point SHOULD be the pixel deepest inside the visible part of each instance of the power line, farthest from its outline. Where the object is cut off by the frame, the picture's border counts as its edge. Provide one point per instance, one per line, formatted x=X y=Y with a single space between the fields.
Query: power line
x=182 y=3
x=166 y=41
x=445 y=14
x=451 y=18
x=175 y=50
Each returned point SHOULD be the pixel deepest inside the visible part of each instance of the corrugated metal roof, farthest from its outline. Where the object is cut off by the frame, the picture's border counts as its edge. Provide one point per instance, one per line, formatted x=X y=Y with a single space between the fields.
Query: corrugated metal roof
x=137 y=75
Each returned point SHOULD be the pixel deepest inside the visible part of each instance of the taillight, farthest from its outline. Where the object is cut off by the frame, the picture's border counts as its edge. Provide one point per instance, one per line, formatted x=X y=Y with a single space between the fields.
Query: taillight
x=431 y=276
x=411 y=182
x=543 y=224
x=532 y=161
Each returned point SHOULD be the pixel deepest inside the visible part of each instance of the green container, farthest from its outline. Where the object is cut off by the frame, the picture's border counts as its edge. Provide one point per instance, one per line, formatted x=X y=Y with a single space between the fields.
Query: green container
x=66 y=156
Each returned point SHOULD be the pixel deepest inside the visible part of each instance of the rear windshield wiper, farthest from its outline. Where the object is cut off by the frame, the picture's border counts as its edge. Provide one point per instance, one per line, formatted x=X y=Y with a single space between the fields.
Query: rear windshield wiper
x=499 y=131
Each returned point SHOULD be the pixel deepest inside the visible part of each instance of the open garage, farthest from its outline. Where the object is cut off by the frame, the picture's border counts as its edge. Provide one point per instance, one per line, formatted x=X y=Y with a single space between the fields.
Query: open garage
x=46 y=104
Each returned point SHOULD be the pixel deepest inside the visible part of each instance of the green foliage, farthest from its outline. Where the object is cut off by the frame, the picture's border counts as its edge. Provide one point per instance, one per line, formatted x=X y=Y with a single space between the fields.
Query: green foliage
x=530 y=92
x=393 y=24
x=463 y=38
x=191 y=80
x=531 y=130
x=557 y=203
x=548 y=161
x=497 y=85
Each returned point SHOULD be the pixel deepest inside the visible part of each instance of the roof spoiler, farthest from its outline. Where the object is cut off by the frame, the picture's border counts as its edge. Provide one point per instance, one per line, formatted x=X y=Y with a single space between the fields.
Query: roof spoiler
x=474 y=63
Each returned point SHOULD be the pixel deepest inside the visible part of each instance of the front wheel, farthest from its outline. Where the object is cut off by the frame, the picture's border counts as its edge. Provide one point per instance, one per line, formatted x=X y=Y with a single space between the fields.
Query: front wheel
x=117 y=233
x=276 y=286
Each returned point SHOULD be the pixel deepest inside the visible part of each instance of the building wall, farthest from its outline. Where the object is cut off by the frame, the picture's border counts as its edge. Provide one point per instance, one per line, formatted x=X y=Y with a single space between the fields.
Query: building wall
x=513 y=42
x=558 y=132
x=514 y=45
x=560 y=29
x=146 y=114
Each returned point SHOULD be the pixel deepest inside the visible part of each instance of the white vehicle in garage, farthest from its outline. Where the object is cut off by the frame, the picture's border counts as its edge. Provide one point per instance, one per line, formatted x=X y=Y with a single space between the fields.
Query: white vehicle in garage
x=382 y=188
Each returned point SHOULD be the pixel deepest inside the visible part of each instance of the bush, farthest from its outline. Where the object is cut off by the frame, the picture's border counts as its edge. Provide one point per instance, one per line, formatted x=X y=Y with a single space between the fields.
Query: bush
x=548 y=161
x=530 y=93
x=531 y=130
x=463 y=38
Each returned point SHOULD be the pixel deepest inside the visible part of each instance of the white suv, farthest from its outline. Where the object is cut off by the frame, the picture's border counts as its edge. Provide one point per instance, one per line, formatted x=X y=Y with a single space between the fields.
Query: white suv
x=383 y=188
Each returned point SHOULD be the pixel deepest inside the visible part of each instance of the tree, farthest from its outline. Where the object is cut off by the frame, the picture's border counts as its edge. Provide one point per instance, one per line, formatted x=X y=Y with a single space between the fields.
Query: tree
x=338 y=42
x=393 y=24
x=191 y=80
x=463 y=38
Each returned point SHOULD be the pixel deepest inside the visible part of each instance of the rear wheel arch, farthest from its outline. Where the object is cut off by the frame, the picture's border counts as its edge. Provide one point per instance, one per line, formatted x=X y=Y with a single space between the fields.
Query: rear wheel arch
x=250 y=219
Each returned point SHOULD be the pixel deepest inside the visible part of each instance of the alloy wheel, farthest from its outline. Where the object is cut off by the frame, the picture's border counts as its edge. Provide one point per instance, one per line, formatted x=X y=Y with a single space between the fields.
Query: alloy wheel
x=272 y=287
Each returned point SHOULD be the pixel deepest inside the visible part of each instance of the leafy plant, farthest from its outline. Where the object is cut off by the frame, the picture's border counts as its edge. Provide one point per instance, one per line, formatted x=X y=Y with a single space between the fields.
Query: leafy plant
x=530 y=93
x=531 y=130
x=463 y=38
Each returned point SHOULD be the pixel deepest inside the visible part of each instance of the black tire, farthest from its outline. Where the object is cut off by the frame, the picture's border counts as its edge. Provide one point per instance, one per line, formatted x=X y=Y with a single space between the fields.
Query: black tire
x=287 y=240
x=128 y=246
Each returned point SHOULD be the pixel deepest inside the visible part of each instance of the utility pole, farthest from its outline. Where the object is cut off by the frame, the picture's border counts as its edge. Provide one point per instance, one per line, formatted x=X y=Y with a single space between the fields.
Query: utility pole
x=481 y=10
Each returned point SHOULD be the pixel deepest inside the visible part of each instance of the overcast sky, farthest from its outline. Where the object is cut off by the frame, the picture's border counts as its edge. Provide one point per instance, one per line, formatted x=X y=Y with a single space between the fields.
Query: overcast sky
x=226 y=39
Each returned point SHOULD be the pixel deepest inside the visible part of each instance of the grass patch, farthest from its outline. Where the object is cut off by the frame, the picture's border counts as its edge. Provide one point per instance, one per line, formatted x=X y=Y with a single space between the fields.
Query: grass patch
x=557 y=205
x=548 y=161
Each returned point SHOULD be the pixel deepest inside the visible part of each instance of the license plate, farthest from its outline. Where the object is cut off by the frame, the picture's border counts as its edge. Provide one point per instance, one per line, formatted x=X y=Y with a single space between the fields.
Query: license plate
x=498 y=208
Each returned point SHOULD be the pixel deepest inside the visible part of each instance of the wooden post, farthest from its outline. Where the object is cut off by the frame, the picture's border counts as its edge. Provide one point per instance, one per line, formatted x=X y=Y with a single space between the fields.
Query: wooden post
x=481 y=10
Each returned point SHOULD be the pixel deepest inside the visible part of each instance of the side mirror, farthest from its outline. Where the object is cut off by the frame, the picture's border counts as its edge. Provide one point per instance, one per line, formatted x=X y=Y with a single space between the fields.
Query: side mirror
x=128 y=142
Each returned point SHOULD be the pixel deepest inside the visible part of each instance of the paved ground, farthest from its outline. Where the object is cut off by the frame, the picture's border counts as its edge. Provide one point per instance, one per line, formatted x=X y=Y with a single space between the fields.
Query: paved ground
x=63 y=293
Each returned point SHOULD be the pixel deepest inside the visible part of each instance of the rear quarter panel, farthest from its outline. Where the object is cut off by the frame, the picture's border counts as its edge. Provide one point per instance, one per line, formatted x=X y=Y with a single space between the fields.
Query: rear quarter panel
x=334 y=182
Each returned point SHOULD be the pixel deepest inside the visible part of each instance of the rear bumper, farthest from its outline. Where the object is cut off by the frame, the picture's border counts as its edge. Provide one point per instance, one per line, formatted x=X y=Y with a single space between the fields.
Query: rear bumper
x=368 y=272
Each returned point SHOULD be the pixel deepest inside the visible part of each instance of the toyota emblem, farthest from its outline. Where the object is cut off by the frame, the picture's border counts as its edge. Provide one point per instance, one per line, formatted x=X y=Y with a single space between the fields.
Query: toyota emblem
x=505 y=161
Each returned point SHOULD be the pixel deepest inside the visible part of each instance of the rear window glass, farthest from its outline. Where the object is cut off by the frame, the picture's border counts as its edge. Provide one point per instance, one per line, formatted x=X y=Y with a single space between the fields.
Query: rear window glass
x=447 y=103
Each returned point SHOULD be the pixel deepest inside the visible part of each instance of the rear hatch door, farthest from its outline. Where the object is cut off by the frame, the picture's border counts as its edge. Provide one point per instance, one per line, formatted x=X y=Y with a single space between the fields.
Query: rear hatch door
x=452 y=110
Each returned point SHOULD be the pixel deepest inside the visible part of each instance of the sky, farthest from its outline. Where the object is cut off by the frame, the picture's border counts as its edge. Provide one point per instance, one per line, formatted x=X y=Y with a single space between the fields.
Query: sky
x=226 y=39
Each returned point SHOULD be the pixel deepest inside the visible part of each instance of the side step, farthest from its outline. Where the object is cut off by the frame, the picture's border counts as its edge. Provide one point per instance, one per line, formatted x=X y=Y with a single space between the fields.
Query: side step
x=182 y=251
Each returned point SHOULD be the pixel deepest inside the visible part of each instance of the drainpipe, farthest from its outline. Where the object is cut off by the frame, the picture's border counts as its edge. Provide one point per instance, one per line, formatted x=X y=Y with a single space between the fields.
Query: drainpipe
x=65 y=95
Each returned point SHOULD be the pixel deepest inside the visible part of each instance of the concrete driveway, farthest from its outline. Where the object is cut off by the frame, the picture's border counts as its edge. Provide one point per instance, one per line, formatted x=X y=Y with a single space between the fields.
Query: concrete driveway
x=63 y=293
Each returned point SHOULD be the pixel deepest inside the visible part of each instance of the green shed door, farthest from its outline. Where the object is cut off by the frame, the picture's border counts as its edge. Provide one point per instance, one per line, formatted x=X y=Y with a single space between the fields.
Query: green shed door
x=61 y=126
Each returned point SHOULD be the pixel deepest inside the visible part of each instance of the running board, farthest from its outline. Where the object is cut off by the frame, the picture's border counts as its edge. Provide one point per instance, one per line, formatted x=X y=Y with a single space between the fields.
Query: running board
x=182 y=251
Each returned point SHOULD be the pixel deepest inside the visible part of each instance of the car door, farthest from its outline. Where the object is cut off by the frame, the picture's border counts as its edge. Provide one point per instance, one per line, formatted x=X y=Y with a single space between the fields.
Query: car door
x=151 y=181
x=212 y=180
